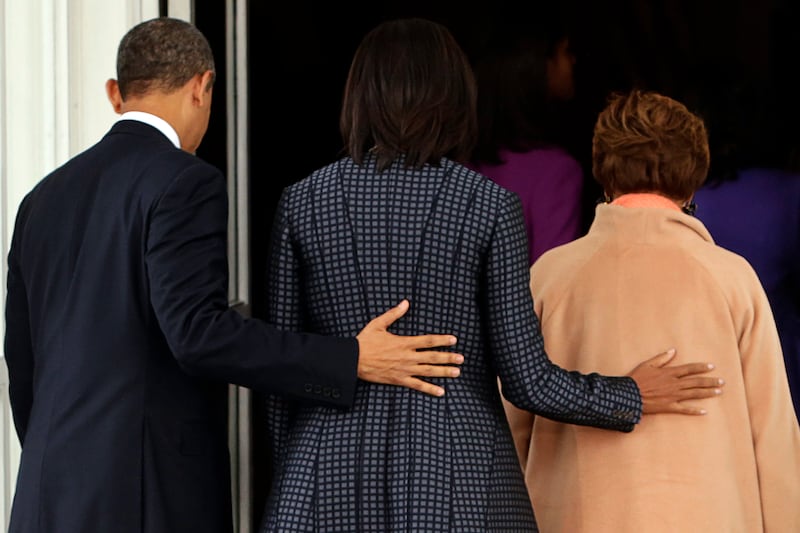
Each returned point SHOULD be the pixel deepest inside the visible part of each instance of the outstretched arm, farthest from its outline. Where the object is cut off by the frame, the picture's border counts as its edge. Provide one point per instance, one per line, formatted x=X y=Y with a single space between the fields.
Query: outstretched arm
x=532 y=382
x=187 y=264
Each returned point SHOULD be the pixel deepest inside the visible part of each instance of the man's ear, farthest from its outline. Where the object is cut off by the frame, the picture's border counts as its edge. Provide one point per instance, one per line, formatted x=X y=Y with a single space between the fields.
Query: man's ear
x=114 y=96
x=201 y=87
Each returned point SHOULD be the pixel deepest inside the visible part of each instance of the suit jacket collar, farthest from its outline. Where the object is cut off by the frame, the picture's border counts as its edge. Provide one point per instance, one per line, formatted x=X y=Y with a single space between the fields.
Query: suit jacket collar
x=142 y=129
x=157 y=122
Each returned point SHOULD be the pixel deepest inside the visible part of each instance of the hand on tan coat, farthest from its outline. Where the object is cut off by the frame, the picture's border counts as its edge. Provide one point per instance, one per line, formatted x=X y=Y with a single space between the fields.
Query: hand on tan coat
x=665 y=389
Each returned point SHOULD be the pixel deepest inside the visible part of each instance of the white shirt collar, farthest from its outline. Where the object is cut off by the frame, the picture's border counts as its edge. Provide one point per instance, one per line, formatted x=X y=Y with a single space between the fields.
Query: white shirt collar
x=157 y=122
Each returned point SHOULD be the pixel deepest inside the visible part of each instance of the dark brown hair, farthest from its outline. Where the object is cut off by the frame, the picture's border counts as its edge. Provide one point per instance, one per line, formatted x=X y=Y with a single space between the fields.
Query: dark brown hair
x=161 y=54
x=647 y=142
x=410 y=91
x=514 y=110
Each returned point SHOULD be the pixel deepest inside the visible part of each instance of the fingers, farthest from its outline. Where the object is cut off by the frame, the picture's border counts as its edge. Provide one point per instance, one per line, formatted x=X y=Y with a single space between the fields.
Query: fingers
x=382 y=322
x=689 y=369
x=421 y=342
x=701 y=383
x=411 y=378
x=389 y=317
x=662 y=359
x=436 y=371
x=702 y=388
x=699 y=394
x=666 y=389
x=438 y=358
x=422 y=386
x=684 y=409
x=403 y=360
x=691 y=394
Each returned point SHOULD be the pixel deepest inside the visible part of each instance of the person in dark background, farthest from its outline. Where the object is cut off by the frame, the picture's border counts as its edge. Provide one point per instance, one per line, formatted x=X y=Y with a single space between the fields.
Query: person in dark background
x=664 y=45
x=751 y=200
x=525 y=79
x=617 y=45
x=400 y=215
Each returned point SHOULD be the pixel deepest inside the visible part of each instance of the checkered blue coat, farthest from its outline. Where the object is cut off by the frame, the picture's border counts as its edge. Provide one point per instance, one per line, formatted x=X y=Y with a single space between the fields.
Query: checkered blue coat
x=348 y=244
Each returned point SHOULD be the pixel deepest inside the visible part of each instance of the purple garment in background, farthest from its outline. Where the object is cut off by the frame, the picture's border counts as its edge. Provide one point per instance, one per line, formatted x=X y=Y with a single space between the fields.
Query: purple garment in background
x=549 y=182
x=758 y=217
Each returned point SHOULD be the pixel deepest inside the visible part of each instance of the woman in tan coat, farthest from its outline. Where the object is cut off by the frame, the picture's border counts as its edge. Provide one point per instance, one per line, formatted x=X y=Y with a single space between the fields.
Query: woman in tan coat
x=648 y=274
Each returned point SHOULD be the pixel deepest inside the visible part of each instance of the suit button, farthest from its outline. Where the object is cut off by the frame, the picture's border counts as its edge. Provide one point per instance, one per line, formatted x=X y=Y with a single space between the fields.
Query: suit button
x=317 y=389
x=326 y=392
x=336 y=394
x=308 y=387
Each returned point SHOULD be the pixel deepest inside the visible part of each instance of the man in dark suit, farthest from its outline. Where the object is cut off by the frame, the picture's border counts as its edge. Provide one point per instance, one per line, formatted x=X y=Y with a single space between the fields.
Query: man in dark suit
x=119 y=337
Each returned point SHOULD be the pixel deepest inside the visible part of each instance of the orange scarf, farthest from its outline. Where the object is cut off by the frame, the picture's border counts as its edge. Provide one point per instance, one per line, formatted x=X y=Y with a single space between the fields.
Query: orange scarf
x=645 y=199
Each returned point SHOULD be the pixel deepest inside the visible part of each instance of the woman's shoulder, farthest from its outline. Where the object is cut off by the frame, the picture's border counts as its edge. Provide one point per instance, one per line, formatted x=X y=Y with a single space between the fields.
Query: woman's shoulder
x=323 y=176
x=477 y=183
x=722 y=269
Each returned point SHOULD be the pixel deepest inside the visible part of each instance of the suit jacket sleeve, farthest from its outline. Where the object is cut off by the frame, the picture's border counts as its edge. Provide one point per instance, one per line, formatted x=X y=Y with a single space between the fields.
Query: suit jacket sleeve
x=529 y=379
x=18 y=345
x=186 y=258
x=776 y=436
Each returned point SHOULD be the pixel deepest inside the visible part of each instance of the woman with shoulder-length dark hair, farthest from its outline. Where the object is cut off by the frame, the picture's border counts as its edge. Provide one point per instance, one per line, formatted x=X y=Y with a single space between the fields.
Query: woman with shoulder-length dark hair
x=400 y=218
x=648 y=272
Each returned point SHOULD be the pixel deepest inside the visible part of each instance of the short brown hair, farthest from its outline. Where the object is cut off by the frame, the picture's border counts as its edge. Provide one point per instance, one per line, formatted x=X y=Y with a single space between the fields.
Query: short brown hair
x=161 y=54
x=646 y=142
x=410 y=91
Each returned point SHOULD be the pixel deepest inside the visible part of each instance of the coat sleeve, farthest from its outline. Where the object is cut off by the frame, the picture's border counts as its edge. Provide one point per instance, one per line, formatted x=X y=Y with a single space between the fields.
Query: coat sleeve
x=186 y=259
x=521 y=423
x=284 y=309
x=529 y=379
x=18 y=345
x=776 y=434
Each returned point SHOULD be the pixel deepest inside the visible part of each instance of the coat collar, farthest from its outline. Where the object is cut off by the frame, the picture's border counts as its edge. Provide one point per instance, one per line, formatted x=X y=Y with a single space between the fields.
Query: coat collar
x=647 y=223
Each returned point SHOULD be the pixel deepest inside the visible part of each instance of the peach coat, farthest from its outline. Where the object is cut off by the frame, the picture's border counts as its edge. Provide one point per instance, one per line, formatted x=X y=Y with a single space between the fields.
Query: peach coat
x=643 y=280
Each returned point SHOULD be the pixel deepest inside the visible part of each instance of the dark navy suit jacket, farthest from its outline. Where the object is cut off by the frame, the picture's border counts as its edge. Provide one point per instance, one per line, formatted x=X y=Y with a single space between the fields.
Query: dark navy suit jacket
x=120 y=341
